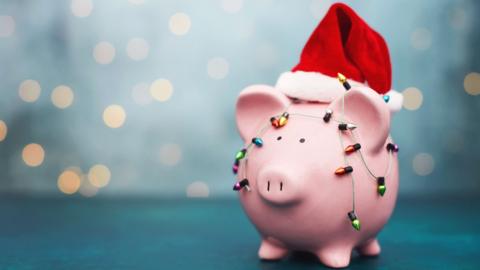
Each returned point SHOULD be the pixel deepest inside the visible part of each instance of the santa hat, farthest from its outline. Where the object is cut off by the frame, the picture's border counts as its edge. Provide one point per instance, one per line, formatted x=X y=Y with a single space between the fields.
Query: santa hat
x=341 y=43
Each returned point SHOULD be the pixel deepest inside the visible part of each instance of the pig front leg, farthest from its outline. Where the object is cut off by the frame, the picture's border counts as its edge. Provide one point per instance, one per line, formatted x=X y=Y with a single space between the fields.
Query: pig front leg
x=335 y=257
x=369 y=248
x=271 y=251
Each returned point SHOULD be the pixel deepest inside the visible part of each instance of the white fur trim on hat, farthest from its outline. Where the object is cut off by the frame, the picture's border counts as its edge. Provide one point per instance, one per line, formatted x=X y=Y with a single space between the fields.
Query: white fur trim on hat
x=314 y=86
x=311 y=86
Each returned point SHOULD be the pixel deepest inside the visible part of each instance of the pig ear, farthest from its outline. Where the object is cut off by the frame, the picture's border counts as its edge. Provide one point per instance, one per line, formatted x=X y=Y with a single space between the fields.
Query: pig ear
x=256 y=104
x=366 y=109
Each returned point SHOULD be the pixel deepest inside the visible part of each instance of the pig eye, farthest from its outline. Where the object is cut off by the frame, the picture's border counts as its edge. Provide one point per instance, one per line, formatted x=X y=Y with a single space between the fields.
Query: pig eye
x=302 y=140
x=279 y=138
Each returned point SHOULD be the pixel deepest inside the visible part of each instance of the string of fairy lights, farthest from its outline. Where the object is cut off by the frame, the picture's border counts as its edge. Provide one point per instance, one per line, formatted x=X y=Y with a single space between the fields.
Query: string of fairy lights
x=344 y=127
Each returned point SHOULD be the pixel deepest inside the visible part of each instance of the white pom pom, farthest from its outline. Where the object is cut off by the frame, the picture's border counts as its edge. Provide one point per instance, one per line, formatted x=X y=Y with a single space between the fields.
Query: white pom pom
x=396 y=101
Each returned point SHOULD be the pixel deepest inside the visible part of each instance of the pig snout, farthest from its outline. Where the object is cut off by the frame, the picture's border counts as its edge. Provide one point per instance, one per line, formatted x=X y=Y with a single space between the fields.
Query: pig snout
x=278 y=187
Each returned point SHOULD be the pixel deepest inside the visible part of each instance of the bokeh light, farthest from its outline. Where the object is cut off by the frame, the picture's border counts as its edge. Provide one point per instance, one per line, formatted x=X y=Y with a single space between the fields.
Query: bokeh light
x=421 y=39
x=81 y=8
x=3 y=130
x=29 y=90
x=471 y=83
x=62 y=96
x=170 y=154
x=423 y=164
x=99 y=175
x=33 y=154
x=69 y=181
x=179 y=24
x=217 y=68
x=232 y=6
x=161 y=90
x=87 y=189
x=141 y=94
x=412 y=98
x=198 y=189
x=114 y=116
x=7 y=26
x=104 y=53
x=137 y=49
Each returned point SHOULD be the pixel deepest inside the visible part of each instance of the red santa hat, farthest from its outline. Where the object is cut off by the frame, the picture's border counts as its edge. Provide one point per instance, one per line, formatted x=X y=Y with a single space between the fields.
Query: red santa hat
x=342 y=43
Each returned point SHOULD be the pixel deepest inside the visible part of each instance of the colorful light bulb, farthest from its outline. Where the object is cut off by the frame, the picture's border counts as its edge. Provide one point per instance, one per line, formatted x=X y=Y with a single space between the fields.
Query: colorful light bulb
x=386 y=98
x=241 y=184
x=282 y=121
x=345 y=126
x=343 y=81
x=275 y=122
x=241 y=154
x=328 y=115
x=237 y=186
x=381 y=188
x=344 y=170
x=355 y=221
x=352 y=148
x=235 y=167
x=392 y=147
x=341 y=77
x=257 y=141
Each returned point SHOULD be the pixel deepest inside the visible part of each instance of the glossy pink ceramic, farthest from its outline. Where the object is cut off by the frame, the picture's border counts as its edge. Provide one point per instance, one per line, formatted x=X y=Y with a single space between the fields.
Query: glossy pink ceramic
x=296 y=201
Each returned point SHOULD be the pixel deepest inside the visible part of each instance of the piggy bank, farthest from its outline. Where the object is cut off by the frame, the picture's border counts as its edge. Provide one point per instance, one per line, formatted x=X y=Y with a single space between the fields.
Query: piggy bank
x=297 y=189
x=319 y=170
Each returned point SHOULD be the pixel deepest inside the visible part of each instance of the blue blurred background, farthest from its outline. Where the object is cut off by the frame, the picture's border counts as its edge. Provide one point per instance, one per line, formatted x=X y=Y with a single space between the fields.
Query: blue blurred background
x=137 y=97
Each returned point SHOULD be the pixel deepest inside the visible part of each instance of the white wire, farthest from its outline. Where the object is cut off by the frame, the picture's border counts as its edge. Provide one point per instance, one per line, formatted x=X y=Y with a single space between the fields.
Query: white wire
x=345 y=159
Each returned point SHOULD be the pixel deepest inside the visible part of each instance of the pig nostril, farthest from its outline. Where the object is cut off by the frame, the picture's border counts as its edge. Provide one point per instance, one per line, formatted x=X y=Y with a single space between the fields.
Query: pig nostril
x=268 y=186
x=281 y=186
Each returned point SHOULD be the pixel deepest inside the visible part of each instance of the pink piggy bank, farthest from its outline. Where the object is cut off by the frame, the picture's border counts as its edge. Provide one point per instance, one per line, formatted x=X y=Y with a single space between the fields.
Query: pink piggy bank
x=319 y=171
x=298 y=193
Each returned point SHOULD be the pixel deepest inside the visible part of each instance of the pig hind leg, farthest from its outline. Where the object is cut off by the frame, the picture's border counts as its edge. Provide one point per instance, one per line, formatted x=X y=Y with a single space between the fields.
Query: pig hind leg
x=369 y=248
x=335 y=257
x=270 y=251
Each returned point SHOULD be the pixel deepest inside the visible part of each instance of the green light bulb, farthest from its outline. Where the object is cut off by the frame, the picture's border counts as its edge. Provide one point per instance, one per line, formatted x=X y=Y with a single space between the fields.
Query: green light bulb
x=356 y=224
x=381 y=189
x=240 y=154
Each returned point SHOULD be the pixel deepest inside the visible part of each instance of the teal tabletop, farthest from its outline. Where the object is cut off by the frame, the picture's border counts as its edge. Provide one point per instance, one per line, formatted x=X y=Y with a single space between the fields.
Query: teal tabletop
x=131 y=233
